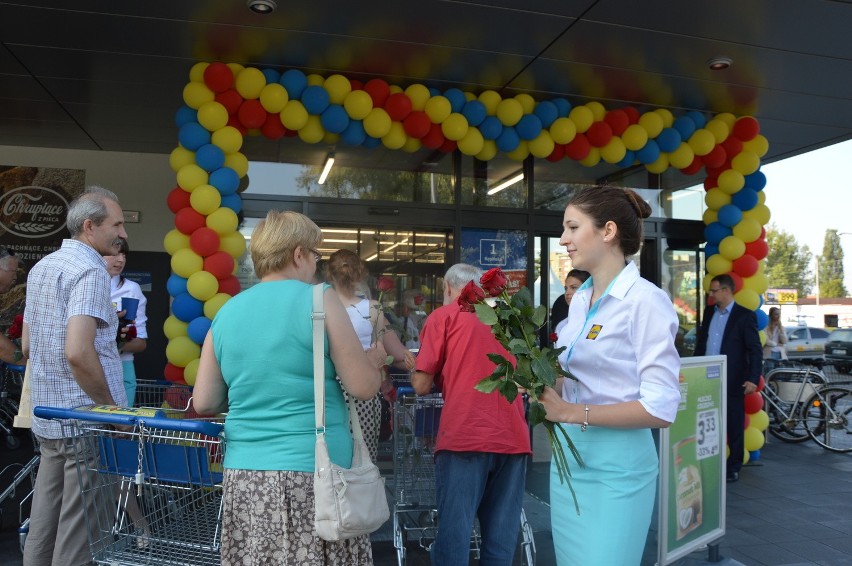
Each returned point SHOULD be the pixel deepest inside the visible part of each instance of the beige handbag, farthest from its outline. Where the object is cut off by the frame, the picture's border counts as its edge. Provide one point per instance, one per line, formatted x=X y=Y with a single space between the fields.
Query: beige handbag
x=349 y=502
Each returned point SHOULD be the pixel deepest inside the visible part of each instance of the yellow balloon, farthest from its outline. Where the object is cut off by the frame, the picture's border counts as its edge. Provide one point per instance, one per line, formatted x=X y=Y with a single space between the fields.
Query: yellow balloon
x=181 y=350
x=437 y=108
x=454 y=127
x=179 y=157
x=233 y=244
x=418 y=94
x=719 y=129
x=760 y=213
x=759 y=420
x=412 y=145
x=542 y=145
x=202 y=285
x=489 y=151
x=614 y=151
x=236 y=68
x=746 y=456
x=395 y=138
x=716 y=198
x=214 y=303
x=312 y=131
x=527 y=102
x=238 y=162
x=491 y=99
x=710 y=216
x=762 y=335
x=747 y=298
x=757 y=283
x=212 y=116
x=510 y=112
x=758 y=145
x=753 y=439
x=294 y=116
x=395 y=89
x=747 y=229
x=190 y=372
x=250 y=82
x=223 y=221
x=196 y=93
x=666 y=115
x=196 y=73
x=338 y=87
x=175 y=240
x=682 y=157
x=273 y=98
x=731 y=181
x=205 y=199
x=228 y=139
x=191 y=176
x=521 y=152
x=732 y=248
x=592 y=159
x=761 y=197
x=358 y=104
x=185 y=262
x=472 y=143
x=727 y=118
x=746 y=162
x=174 y=327
x=378 y=123
x=652 y=122
x=635 y=137
x=660 y=165
x=468 y=96
x=583 y=117
x=717 y=264
x=563 y=130
x=701 y=142
x=598 y=110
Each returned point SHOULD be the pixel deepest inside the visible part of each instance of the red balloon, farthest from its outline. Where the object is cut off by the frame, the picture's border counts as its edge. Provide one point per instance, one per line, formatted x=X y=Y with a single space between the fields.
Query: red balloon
x=252 y=114
x=753 y=403
x=618 y=120
x=230 y=285
x=599 y=134
x=761 y=384
x=716 y=171
x=218 y=77
x=746 y=265
x=732 y=146
x=758 y=249
x=746 y=128
x=632 y=114
x=273 y=128
x=220 y=264
x=398 y=106
x=557 y=153
x=204 y=241
x=693 y=167
x=231 y=100
x=173 y=373
x=449 y=146
x=378 y=91
x=578 y=148
x=746 y=422
x=417 y=124
x=187 y=220
x=716 y=158
x=711 y=182
x=435 y=138
x=738 y=281
x=234 y=122
x=356 y=84
x=177 y=199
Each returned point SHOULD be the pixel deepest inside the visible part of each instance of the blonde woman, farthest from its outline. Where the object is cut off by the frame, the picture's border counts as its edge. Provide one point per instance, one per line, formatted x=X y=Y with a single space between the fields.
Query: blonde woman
x=776 y=337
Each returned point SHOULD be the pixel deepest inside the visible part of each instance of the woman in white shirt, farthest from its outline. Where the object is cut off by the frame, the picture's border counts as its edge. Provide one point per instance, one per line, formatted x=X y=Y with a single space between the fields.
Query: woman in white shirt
x=121 y=287
x=620 y=346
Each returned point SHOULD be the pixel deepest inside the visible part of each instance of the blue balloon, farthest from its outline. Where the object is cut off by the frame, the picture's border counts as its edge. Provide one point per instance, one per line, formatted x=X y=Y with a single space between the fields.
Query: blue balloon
x=648 y=154
x=508 y=139
x=762 y=300
x=715 y=232
x=434 y=91
x=354 y=133
x=197 y=329
x=563 y=106
x=754 y=455
x=729 y=215
x=528 y=127
x=475 y=112
x=629 y=158
x=710 y=250
x=225 y=180
x=756 y=180
x=697 y=117
x=334 y=119
x=456 y=97
x=315 y=99
x=272 y=76
x=193 y=135
x=294 y=82
x=762 y=319
x=210 y=157
x=233 y=201
x=187 y=308
x=185 y=115
x=685 y=127
x=547 y=112
x=669 y=140
x=371 y=142
x=491 y=128
x=745 y=198
x=175 y=285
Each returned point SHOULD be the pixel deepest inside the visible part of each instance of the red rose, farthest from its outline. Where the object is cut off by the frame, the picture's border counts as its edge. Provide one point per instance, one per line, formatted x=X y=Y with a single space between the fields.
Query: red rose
x=384 y=284
x=16 y=328
x=494 y=281
x=469 y=296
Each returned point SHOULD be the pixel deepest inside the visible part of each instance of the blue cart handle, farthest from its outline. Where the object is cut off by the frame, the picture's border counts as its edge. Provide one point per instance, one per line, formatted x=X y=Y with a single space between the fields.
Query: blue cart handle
x=109 y=414
x=13 y=367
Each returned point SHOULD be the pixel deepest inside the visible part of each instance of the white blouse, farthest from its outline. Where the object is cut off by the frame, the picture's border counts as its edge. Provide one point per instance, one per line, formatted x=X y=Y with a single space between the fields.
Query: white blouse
x=625 y=350
x=130 y=289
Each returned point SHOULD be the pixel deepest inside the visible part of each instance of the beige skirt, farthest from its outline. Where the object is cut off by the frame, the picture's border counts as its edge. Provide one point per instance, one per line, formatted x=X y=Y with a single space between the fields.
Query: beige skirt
x=268 y=519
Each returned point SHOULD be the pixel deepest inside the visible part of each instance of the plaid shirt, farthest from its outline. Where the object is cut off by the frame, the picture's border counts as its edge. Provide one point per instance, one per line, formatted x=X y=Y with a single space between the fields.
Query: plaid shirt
x=71 y=281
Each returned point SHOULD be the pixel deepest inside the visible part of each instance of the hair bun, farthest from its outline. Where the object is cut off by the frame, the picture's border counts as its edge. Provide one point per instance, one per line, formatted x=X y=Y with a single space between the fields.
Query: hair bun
x=642 y=208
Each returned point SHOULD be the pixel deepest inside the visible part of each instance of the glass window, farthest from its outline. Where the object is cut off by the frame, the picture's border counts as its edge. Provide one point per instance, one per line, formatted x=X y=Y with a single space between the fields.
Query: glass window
x=499 y=182
x=819 y=333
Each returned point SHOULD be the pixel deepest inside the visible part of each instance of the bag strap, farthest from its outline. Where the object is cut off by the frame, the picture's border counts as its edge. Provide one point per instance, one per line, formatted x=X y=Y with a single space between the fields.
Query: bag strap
x=318 y=318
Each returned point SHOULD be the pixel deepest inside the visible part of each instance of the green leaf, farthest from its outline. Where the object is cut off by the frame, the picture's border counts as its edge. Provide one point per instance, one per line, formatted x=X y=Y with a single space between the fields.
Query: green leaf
x=522 y=298
x=509 y=390
x=544 y=371
x=539 y=316
x=523 y=372
x=498 y=359
x=537 y=413
x=518 y=346
x=485 y=314
x=488 y=385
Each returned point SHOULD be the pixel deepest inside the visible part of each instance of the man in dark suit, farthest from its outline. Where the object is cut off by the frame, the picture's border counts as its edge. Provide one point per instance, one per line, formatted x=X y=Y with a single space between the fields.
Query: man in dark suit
x=731 y=330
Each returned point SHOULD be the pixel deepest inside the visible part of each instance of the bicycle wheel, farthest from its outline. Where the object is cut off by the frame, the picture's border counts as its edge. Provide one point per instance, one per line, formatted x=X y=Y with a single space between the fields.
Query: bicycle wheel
x=785 y=422
x=827 y=416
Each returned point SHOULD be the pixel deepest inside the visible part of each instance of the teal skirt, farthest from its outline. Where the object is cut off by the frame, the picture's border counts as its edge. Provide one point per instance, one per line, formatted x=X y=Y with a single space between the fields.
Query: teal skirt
x=615 y=490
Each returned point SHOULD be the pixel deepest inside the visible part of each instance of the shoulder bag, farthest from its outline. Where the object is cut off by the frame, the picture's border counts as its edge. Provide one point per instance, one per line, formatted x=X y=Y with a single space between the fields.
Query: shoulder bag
x=349 y=502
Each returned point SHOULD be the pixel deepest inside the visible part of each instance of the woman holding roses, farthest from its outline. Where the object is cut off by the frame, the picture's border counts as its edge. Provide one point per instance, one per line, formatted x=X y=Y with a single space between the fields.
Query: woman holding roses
x=619 y=342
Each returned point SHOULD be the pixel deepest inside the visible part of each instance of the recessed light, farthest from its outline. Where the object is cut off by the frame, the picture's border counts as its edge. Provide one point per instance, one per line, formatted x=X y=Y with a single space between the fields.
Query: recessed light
x=262 y=6
x=720 y=63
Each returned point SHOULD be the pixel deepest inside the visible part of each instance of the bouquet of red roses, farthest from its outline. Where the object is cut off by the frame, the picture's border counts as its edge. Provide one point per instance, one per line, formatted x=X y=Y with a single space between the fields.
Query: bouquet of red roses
x=515 y=323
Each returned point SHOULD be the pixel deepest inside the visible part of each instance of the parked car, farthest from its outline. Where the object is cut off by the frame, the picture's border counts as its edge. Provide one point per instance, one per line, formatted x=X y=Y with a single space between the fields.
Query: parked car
x=806 y=344
x=838 y=349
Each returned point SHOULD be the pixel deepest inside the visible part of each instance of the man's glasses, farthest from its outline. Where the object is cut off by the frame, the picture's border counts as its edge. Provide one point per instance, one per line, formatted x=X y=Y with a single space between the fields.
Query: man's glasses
x=716 y=290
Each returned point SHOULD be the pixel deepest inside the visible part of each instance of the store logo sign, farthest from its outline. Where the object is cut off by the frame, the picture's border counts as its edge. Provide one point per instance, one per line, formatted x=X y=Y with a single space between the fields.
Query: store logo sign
x=33 y=212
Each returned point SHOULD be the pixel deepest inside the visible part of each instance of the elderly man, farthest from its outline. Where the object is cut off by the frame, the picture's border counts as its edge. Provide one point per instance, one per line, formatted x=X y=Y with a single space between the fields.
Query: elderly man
x=9 y=351
x=70 y=326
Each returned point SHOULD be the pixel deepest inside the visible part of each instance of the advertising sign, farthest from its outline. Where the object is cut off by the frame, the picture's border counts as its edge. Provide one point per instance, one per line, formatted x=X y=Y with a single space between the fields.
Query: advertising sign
x=692 y=461
x=506 y=249
x=782 y=296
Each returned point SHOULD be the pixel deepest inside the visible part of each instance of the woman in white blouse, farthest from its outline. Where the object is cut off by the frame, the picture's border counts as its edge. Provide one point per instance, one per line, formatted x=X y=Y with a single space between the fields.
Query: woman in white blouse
x=620 y=346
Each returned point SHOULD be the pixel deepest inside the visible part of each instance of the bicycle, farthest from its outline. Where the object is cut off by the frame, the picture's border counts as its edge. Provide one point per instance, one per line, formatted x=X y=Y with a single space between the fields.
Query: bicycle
x=789 y=386
x=826 y=417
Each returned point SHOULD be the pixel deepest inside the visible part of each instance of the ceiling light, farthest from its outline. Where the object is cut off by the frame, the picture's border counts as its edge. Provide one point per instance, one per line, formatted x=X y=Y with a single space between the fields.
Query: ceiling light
x=720 y=63
x=329 y=161
x=262 y=6
x=507 y=183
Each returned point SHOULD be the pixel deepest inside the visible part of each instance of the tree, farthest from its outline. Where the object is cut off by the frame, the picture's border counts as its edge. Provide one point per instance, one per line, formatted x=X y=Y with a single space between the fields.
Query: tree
x=831 y=267
x=787 y=262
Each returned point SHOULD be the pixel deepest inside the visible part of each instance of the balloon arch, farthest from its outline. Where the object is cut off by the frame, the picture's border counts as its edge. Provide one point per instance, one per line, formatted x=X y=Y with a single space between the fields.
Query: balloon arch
x=225 y=102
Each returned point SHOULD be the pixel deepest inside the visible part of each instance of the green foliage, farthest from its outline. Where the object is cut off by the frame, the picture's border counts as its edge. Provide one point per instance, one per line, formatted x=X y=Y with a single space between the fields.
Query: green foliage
x=787 y=262
x=831 y=267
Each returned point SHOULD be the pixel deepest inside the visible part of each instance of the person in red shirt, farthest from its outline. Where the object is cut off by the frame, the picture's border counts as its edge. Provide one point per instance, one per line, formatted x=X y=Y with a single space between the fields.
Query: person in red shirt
x=483 y=441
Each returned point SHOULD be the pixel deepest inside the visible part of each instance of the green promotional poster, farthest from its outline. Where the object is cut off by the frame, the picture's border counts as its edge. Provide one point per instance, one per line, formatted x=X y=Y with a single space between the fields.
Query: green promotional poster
x=692 y=461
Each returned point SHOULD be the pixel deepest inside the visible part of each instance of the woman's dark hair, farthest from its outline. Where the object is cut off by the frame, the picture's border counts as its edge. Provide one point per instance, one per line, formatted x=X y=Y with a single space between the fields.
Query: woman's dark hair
x=622 y=206
x=123 y=248
x=579 y=275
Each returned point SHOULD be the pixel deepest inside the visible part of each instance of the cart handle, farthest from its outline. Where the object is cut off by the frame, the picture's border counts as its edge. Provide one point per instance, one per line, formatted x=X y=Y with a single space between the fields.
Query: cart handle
x=110 y=414
x=13 y=367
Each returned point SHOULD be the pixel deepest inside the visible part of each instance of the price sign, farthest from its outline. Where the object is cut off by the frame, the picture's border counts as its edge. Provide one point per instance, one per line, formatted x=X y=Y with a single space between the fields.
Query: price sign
x=707 y=433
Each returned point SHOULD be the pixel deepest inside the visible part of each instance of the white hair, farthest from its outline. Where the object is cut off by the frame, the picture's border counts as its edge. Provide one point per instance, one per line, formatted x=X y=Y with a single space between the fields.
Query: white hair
x=460 y=274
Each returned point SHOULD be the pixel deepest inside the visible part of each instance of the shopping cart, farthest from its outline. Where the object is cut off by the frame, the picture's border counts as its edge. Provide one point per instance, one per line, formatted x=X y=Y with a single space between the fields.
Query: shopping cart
x=415 y=517
x=11 y=383
x=152 y=495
